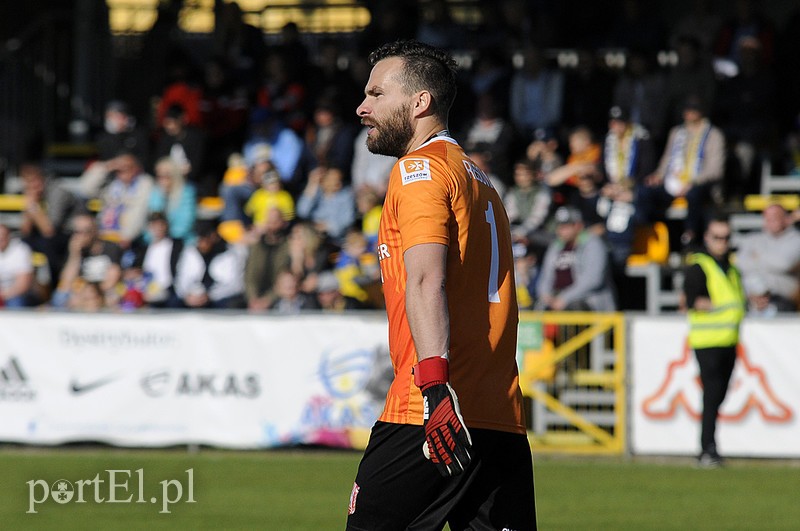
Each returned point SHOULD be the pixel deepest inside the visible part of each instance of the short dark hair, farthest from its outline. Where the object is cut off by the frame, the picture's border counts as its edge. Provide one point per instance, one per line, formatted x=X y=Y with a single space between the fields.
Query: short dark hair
x=718 y=217
x=427 y=68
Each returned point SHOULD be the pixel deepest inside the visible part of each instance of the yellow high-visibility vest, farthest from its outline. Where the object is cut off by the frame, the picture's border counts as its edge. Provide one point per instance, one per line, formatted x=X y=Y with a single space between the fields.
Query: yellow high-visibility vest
x=720 y=326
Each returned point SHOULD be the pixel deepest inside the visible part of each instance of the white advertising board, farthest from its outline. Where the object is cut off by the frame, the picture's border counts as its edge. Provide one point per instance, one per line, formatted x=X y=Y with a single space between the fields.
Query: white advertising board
x=154 y=380
x=759 y=417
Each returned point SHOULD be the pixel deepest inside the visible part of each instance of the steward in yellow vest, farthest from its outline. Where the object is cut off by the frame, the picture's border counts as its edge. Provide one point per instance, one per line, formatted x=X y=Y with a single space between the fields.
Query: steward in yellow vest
x=715 y=302
x=718 y=327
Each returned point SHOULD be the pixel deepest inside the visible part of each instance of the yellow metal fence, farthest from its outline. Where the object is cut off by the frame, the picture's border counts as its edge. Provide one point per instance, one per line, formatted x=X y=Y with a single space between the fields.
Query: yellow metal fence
x=572 y=370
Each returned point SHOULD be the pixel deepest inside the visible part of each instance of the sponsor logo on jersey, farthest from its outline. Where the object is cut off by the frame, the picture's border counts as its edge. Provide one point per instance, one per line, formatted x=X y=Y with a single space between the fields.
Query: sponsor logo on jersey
x=413 y=170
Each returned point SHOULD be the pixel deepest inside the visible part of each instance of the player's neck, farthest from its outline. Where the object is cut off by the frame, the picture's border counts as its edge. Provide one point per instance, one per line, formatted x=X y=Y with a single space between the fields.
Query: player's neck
x=425 y=134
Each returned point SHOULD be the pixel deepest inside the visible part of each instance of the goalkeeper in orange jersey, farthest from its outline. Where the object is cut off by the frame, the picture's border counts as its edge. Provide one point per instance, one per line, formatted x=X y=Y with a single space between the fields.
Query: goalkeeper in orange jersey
x=450 y=445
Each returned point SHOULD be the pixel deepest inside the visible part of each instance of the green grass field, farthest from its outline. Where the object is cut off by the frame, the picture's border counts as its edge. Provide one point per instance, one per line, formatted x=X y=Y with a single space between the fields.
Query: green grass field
x=309 y=490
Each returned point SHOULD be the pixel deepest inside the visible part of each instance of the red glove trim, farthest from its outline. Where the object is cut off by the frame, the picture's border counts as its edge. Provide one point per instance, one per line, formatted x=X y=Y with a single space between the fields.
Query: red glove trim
x=431 y=371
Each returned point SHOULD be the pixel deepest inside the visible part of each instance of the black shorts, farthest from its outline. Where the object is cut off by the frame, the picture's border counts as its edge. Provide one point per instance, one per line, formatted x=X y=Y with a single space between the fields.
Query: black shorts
x=396 y=487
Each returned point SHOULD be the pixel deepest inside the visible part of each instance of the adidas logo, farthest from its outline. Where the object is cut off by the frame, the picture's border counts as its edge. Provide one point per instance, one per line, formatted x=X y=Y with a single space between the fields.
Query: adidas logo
x=14 y=384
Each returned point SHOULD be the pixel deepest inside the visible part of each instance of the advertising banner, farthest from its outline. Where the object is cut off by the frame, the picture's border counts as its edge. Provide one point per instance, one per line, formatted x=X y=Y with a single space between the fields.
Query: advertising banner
x=759 y=417
x=239 y=381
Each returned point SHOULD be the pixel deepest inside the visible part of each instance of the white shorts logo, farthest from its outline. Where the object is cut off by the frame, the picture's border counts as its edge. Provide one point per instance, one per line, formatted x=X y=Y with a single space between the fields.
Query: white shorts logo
x=415 y=170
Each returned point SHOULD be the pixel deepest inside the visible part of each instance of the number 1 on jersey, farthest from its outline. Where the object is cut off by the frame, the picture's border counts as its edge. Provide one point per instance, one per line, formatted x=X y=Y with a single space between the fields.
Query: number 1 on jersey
x=494 y=267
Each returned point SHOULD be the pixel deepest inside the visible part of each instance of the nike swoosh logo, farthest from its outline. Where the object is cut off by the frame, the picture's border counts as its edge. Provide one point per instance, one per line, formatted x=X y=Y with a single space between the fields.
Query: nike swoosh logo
x=80 y=388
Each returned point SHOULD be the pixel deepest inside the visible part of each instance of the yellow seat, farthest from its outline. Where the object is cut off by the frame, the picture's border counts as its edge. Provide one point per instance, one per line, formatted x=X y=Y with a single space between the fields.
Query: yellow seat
x=232 y=230
x=679 y=202
x=758 y=202
x=650 y=245
x=12 y=202
x=211 y=203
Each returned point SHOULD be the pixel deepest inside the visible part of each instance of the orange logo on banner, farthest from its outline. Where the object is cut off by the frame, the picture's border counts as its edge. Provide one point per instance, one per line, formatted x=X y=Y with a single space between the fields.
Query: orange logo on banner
x=749 y=389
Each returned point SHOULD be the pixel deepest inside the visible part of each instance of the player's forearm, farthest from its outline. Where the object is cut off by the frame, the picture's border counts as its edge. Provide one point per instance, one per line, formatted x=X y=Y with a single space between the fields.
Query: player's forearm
x=428 y=318
x=426 y=300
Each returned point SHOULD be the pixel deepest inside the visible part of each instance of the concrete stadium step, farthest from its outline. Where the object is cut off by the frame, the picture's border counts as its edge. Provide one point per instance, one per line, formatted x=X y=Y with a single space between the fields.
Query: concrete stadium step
x=587 y=397
x=598 y=418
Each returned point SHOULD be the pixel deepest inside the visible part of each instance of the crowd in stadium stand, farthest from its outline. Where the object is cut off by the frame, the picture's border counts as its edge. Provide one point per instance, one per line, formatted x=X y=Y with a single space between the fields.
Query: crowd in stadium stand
x=250 y=186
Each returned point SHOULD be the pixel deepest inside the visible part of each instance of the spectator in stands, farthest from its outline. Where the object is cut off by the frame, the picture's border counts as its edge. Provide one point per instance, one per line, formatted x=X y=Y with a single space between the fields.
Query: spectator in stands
x=575 y=274
x=224 y=108
x=308 y=255
x=87 y=297
x=330 y=76
x=89 y=259
x=155 y=265
x=481 y=155
x=287 y=148
x=491 y=133
x=327 y=202
x=692 y=76
x=747 y=21
x=356 y=268
x=267 y=255
x=642 y=89
x=590 y=203
x=121 y=133
x=290 y=45
x=241 y=44
x=16 y=271
x=48 y=208
x=491 y=74
x=543 y=152
x=370 y=169
x=186 y=145
x=328 y=137
x=268 y=196
x=769 y=261
x=329 y=295
x=289 y=300
x=175 y=198
x=588 y=91
x=537 y=94
x=584 y=160
x=183 y=90
x=692 y=163
x=210 y=273
x=745 y=111
x=526 y=270
x=528 y=206
x=240 y=180
x=283 y=93
x=124 y=201
x=369 y=207
x=628 y=158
